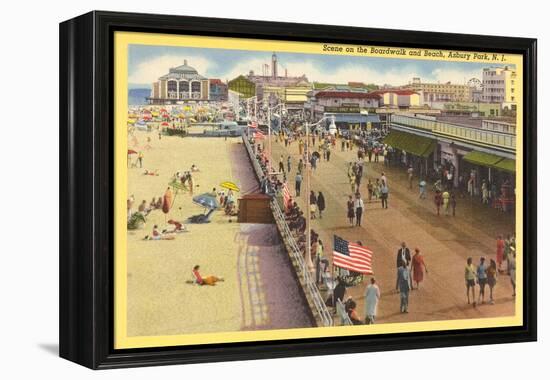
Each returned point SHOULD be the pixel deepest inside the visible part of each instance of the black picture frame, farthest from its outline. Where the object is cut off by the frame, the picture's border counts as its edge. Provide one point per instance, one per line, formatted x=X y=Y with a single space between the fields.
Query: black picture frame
x=86 y=189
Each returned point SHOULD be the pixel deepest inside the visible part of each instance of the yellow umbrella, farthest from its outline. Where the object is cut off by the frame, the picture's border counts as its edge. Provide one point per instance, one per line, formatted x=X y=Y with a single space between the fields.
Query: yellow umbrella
x=229 y=186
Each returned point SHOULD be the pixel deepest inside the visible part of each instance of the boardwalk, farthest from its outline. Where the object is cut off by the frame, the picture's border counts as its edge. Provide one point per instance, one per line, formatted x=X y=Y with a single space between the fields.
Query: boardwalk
x=445 y=241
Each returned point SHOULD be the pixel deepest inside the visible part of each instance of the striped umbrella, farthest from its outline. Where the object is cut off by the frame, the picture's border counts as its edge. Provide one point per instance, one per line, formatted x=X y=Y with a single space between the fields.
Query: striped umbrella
x=229 y=186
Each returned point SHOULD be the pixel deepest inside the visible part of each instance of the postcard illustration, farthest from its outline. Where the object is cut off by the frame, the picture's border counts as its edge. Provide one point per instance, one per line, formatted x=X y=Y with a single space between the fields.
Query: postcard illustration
x=277 y=190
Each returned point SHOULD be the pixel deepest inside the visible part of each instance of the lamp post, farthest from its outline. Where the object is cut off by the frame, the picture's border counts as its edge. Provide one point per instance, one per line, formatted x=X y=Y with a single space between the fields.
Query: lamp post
x=309 y=262
x=269 y=110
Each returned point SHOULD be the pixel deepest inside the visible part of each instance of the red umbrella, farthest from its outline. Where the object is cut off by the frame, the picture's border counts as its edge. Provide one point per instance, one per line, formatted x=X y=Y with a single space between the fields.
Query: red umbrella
x=131 y=151
x=165 y=124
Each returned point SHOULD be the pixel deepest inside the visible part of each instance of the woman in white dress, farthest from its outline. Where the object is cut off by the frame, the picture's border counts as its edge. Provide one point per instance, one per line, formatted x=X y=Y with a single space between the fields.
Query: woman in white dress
x=372 y=295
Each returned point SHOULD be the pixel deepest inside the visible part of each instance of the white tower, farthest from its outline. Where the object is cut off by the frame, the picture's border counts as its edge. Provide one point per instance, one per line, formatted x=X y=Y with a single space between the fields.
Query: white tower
x=274 y=66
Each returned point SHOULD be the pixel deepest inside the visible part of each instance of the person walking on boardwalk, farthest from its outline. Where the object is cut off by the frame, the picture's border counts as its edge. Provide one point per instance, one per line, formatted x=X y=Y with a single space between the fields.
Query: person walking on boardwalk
x=301 y=146
x=359 y=206
x=288 y=163
x=321 y=263
x=370 y=189
x=513 y=270
x=470 y=278
x=453 y=203
x=481 y=274
x=446 y=197
x=313 y=204
x=384 y=194
x=140 y=159
x=492 y=279
x=352 y=182
x=321 y=204
x=403 y=283
x=500 y=252
x=410 y=172
x=298 y=183
x=422 y=189
x=403 y=257
x=281 y=164
x=351 y=211
x=372 y=296
x=300 y=166
x=418 y=267
x=438 y=200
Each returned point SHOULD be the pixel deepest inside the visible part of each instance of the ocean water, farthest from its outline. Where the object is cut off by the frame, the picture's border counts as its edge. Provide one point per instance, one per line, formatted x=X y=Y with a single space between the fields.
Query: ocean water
x=136 y=96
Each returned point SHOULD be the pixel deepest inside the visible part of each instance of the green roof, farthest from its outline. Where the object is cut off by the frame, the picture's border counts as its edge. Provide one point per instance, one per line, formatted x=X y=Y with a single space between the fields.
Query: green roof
x=410 y=143
x=482 y=158
x=506 y=164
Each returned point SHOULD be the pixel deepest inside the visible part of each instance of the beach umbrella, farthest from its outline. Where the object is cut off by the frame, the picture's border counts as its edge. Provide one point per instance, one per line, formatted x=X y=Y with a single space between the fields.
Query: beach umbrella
x=165 y=124
x=206 y=200
x=131 y=151
x=229 y=186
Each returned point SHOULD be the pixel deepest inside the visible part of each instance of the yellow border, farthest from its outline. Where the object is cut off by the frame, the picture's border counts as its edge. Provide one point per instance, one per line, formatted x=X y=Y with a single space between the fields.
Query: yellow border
x=122 y=40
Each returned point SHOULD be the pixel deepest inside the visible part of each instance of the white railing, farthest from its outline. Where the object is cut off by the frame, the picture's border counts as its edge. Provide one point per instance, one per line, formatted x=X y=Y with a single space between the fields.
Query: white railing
x=476 y=135
x=308 y=280
x=345 y=320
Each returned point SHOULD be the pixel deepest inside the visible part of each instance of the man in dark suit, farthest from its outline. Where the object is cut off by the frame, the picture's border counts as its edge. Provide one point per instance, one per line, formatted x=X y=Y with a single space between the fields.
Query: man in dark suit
x=403 y=257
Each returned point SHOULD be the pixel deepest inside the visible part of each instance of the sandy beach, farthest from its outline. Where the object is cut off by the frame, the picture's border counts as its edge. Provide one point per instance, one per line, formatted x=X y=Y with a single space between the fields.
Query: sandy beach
x=259 y=290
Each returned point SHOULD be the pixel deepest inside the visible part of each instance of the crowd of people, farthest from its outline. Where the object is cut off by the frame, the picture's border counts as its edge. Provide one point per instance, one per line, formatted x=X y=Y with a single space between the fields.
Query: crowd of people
x=411 y=266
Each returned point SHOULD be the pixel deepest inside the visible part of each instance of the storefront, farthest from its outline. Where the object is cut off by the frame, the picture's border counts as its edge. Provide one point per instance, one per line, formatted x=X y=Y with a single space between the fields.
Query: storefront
x=412 y=150
x=498 y=172
x=353 y=121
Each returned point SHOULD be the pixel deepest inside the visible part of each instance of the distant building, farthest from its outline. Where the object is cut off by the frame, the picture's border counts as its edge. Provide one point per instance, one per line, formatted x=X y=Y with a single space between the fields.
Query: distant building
x=441 y=92
x=180 y=84
x=218 y=90
x=253 y=84
x=336 y=99
x=499 y=86
x=397 y=98
x=349 y=108
x=243 y=86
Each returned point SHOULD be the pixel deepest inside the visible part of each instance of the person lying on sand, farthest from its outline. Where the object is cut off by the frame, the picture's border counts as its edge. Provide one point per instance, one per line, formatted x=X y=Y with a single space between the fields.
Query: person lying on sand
x=156 y=235
x=178 y=227
x=153 y=173
x=208 y=280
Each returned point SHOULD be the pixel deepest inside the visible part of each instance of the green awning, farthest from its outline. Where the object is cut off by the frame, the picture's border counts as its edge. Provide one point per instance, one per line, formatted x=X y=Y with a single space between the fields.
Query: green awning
x=506 y=164
x=410 y=143
x=482 y=158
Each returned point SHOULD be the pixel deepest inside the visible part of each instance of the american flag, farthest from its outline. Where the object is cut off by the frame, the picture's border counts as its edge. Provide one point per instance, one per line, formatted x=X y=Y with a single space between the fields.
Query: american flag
x=352 y=256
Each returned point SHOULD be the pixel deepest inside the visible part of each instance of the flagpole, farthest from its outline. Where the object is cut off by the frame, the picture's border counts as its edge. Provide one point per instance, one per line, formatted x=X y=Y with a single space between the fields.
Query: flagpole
x=309 y=263
x=269 y=134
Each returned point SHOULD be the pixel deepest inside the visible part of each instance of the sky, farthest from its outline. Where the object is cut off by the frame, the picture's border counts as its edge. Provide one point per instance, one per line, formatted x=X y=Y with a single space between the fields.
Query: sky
x=147 y=63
